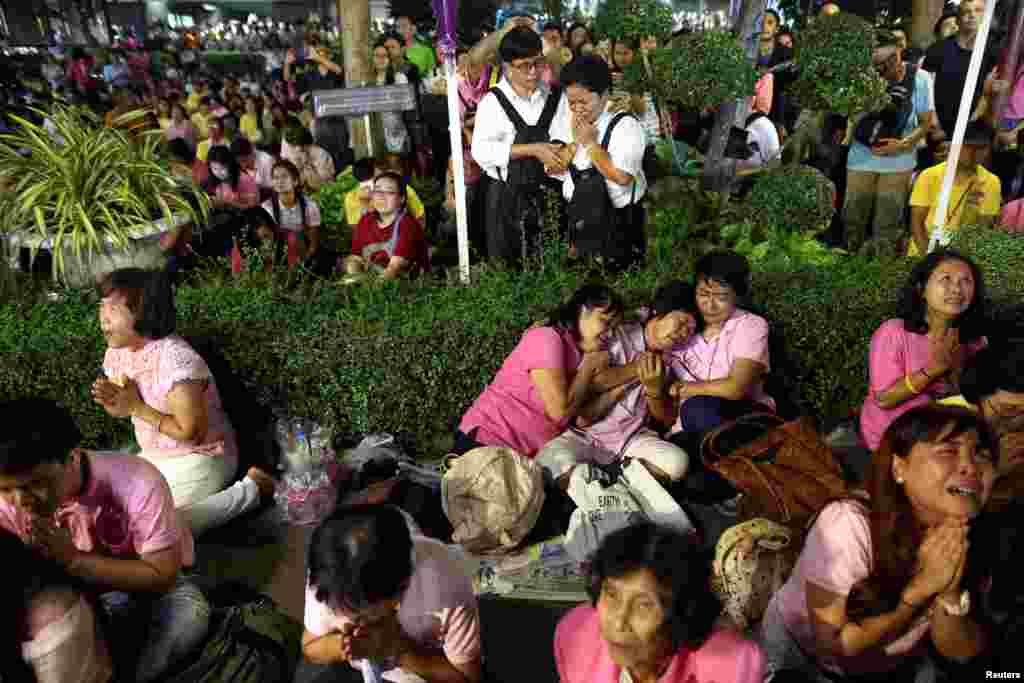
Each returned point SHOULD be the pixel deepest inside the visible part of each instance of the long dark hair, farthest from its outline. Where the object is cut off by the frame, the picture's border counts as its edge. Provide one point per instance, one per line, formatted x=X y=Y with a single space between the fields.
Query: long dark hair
x=895 y=534
x=222 y=155
x=567 y=316
x=914 y=311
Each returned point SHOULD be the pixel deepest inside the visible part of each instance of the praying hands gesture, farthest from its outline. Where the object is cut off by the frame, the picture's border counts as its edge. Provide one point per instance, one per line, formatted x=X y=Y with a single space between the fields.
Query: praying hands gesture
x=941 y=560
x=945 y=353
x=381 y=640
x=52 y=541
x=650 y=370
x=118 y=401
x=586 y=133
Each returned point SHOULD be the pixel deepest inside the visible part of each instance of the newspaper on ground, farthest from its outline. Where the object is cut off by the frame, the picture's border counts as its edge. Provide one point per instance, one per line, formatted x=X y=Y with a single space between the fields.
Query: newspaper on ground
x=543 y=571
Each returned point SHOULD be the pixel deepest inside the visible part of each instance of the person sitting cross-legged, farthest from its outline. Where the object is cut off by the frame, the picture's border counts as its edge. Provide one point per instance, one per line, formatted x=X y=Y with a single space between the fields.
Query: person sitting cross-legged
x=154 y=377
x=652 y=617
x=388 y=241
x=636 y=398
x=379 y=596
x=109 y=524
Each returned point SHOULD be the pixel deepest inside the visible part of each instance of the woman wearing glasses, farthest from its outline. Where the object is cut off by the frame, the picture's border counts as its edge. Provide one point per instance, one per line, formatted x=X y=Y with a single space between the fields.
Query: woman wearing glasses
x=388 y=241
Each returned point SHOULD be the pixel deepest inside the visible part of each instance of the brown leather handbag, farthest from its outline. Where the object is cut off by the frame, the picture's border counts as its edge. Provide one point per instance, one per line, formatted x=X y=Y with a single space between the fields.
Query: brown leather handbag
x=786 y=475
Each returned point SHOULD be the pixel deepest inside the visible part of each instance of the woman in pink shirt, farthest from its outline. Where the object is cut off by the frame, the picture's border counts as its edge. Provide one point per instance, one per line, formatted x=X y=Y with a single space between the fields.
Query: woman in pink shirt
x=879 y=576
x=181 y=126
x=917 y=357
x=379 y=598
x=722 y=367
x=542 y=385
x=652 y=618
x=154 y=377
x=227 y=186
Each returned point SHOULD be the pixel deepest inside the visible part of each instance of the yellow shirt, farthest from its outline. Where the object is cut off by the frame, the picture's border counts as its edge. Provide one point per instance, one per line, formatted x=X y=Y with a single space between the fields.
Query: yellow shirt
x=250 y=128
x=985 y=186
x=354 y=209
x=202 y=125
x=192 y=103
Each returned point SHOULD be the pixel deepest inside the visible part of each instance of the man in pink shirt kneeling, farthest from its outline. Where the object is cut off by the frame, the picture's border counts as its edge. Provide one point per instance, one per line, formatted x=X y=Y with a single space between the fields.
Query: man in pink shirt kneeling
x=109 y=524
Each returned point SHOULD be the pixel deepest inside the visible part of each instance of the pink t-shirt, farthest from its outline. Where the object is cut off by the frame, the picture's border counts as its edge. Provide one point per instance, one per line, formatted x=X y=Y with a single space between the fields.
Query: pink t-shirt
x=157 y=368
x=836 y=556
x=582 y=656
x=744 y=335
x=1012 y=217
x=126 y=511
x=438 y=610
x=246 y=189
x=510 y=411
x=630 y=414
x=894 y=354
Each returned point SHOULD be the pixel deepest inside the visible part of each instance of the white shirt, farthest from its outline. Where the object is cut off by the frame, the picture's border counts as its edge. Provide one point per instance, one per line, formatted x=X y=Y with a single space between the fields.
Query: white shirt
x=626 y=149
x=763 y=132
x=494 y=132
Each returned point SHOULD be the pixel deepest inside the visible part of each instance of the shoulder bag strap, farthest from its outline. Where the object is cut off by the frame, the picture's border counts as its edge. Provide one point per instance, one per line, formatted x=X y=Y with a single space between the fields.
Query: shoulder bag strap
x=608 y=138
x=550 y=107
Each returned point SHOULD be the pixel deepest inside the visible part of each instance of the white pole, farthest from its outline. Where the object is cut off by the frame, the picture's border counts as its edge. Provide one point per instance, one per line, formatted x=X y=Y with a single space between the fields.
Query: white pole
x=455 y=129
x=940 y=236
x=369 y=135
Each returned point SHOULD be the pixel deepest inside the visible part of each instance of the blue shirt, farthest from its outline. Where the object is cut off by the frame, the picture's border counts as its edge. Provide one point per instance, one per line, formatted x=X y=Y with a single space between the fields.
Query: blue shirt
x=861 y=158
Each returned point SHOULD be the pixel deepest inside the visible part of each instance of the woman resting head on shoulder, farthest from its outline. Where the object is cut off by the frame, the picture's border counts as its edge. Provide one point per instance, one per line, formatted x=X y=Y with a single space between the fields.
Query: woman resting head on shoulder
x=876 y=579
x=652 y=617
x=546 y=380
x=917 y=357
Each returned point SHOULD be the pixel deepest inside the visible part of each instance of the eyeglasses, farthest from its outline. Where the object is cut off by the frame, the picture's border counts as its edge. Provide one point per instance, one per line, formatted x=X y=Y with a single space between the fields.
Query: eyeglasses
x=385 y=193
x=525 y=67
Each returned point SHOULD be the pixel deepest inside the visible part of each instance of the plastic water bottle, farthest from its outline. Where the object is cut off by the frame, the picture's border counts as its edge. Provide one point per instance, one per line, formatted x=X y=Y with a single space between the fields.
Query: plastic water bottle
x=372 y=672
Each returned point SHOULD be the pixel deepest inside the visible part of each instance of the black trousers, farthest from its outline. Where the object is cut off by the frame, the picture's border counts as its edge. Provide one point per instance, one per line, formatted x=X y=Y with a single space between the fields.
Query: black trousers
x=514 y=222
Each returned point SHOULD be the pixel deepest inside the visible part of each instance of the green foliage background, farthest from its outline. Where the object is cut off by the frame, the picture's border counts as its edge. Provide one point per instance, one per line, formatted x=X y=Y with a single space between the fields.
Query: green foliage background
x=409 y=358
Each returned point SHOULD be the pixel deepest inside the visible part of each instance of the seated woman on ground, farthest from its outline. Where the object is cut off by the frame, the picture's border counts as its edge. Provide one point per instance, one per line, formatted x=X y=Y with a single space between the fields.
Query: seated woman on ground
x=547 y=379
x=652 y=617
x=877 y=577
x=377 y=594
x=227 y=186
x=316 y=168
x=917 y=357
x=296 y=215
x=154 y=377
x=721 y=369
x=50 y=633
x=388 y=241
x=261 y=243
x=359 y=201
x=636 y=396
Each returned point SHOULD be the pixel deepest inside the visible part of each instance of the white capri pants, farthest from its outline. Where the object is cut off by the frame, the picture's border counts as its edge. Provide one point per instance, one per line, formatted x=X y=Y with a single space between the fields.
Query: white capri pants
x=66 y=645
x=199 y=485
x=569 y=449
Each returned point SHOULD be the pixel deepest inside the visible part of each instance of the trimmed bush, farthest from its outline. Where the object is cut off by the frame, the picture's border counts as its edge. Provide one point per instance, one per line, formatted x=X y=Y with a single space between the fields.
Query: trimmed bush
x=409 y=358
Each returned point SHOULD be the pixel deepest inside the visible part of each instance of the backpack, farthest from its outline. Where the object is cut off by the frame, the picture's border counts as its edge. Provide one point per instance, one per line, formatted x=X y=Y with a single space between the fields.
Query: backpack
x=252 y=642
x=527 y=174
x=493 y=497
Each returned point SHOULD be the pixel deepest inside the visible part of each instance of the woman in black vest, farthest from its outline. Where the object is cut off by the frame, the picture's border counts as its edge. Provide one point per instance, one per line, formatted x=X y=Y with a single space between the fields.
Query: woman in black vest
x=605 y=181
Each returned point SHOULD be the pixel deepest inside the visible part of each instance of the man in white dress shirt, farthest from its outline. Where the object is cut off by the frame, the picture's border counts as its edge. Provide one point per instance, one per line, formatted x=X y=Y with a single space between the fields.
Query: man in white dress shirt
x=517 y=126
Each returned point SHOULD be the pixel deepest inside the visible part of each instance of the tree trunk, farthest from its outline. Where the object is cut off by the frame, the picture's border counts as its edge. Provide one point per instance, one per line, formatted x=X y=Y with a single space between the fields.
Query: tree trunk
x=922 y=24
x=354 y=16
x=718 y=170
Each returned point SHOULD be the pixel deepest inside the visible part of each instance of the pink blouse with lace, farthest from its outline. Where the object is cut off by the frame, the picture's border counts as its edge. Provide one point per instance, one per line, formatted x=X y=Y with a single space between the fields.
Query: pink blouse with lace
x=157 y=368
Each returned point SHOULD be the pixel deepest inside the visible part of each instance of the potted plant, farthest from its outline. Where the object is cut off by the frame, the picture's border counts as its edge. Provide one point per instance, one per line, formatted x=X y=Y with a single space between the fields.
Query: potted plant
x=93 y=196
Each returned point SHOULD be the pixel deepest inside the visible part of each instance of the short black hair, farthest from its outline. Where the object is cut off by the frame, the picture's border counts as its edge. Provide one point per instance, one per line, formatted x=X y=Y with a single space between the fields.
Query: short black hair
x=36 y=431
x=913 y=310
x=206 y=99
x=725 y=267
x=676 y=295
x=359 y=557
x=778 y=18
x=592 y=295
x=179 y=150
x=520 y=43
x=149 y=296
x=241 y=147
x=681 y=567
x=979 y=132
x=1000 y=366
x=362 y=169
x=552 y=26
x=587 y=71
x=399 y=180
x=945 y=15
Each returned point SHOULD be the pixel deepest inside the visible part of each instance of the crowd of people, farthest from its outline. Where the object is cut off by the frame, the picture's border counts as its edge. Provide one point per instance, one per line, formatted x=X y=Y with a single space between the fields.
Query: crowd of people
x=895 y=582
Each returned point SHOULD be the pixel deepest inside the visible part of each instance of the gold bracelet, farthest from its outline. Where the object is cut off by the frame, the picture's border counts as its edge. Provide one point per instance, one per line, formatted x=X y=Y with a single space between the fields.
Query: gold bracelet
x=910 y=385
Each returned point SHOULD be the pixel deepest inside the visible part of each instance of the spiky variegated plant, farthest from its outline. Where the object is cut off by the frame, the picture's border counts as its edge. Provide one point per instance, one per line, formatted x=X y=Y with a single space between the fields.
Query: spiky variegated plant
x=87 y=186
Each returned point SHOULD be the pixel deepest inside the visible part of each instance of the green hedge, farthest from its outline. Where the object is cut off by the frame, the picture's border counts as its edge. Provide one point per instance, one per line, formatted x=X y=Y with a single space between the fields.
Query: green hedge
x=409 y=358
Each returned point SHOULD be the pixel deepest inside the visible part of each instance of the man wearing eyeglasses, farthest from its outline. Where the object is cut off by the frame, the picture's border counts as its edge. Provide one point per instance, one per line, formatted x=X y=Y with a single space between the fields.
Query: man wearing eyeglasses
x=513 y=141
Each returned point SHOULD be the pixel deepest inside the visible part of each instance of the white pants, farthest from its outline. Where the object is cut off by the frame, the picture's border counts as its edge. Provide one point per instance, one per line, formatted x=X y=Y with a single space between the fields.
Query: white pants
x=563 y=452
x=199 y=485
x=66 y=645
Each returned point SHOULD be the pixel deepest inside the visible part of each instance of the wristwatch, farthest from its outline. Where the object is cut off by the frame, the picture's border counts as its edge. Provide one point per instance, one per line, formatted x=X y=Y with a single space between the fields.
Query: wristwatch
x=956 y=610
